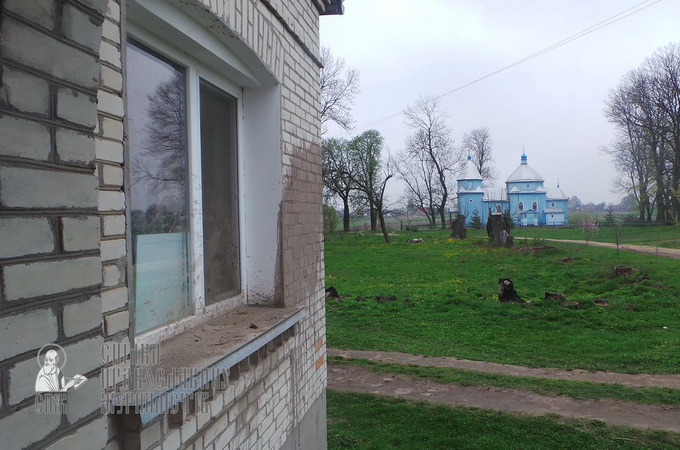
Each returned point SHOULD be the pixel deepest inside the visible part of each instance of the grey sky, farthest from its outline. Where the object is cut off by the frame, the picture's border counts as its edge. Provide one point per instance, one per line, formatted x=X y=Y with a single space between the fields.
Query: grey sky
x=551 y=105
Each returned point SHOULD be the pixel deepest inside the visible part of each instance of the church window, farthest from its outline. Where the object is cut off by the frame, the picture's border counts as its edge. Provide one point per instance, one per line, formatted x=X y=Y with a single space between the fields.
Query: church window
x=534 y=206
x=520 y=206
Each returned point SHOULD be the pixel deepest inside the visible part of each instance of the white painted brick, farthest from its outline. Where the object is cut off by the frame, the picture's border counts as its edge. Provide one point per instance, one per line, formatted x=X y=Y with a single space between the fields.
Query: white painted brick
x=110 y=54
x=22 y=237
x=28 y=188
x=90 y=436
x=112 y=250
x=111 y=31
x=111 y=201
x=112 y=175
x=226 y=437
x=41 y=12
x=76 y=107
x=48 y=55
x=24 y=138
x=26 y=92
x=112 y=276
x=27 y=427
x=113 y=11
x=111 y=78
x=74 y=147
x=110 y=103
x=21 y=280
x=172 y=440
x=117 y=322
x=108 y=150
x=77 y=26
x=80 y=233
x=82 y=316
x=114 y=225
x=112 y=129
x=114 y=299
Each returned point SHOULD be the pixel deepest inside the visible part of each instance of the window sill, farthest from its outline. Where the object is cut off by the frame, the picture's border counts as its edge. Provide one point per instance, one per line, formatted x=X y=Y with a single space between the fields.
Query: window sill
x=202 y=354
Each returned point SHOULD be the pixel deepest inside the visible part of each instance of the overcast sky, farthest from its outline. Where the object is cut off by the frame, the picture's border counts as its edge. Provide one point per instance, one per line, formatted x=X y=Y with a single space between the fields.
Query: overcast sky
x=551 y=105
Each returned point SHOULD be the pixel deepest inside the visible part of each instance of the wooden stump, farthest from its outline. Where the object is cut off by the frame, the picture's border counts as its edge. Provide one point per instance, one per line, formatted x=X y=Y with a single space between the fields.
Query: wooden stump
x=458 y=227
x=507 y=293
x=499 y=231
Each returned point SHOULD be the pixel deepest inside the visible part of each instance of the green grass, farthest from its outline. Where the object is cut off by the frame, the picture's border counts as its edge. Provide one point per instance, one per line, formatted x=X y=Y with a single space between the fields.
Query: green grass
x=578 y=390
x=363 y=421
x=662 y=236
x=447 y=303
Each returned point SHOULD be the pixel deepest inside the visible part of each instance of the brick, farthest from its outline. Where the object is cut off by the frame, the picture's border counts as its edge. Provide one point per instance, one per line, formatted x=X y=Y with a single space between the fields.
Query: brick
x=114 y=225
x=23 y=237
x=111 y=201
x=78 y=26
x=112 y=250
x=29 y=188
x=84 y=400
x=112 y=276
x=114 y=299
x=84 y=356
x=117 y=322
x=110 y=54
x=80 y=233
x=112 y=11
x=112 y=129
x=111 y=78
x=89 y=436
x=41 y=12
x=77 y=107
x=13 y=332
x=21 y=280
x=47 y=54
x=112 y=175
x=27 y=427
x=111 y=31
x=24 y=138
x=110 y=103
x=109 y=150
x=26 y=92
x=22 y=379
x=74 y=147
x=82 y=316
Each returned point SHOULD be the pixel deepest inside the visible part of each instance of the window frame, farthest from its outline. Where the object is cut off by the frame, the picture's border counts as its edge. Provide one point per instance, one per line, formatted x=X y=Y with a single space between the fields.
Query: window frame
x=195 y=71
x=520 y=206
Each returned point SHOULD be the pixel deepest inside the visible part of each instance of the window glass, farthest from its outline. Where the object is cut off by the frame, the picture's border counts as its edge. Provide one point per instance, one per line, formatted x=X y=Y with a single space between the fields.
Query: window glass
x=534 y=206
x=158 y=188
x=220 y=194
x=521 y=206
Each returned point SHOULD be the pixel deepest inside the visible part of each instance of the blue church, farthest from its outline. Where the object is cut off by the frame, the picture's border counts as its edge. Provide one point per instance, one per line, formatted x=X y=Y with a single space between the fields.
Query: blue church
x=524 y=196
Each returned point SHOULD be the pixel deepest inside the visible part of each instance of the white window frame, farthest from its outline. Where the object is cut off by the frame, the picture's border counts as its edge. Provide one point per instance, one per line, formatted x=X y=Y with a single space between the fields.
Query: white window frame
x=241 y=84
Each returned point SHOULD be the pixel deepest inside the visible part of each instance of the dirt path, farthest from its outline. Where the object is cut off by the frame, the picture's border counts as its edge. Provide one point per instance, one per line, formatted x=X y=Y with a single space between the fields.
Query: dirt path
x=661 y=251
x=670 y=381
x=356 y=378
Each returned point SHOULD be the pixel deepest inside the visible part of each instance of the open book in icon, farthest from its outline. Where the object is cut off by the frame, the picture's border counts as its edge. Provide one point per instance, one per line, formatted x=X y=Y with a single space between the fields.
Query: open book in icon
x=75 y=382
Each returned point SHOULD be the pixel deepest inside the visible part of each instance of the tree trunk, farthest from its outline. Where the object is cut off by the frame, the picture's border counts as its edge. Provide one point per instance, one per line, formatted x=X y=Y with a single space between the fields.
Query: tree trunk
x=374 y=217
x=383 y=227
x=499 y=231
x=458 y=227
x=345 y=213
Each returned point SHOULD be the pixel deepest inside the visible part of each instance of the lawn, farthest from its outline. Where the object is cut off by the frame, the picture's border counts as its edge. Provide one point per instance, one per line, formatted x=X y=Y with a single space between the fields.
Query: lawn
x=446 y=302
x=361 y=421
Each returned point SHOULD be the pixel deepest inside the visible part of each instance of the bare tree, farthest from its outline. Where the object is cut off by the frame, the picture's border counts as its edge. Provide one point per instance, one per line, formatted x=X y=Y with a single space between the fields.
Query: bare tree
x=336 y=171
x=430 y=149
x=339 y=86
x=369 y=174
x=477 y=143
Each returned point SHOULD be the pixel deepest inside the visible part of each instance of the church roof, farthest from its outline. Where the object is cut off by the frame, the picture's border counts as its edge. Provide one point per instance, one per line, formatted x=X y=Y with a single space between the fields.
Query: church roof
x=470 y=172
x=495 y=195
x=556 y=193
x=524 y=173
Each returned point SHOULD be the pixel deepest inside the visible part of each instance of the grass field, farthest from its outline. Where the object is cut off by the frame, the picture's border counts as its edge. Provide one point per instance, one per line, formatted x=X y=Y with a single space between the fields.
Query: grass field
x=446 y=303
x=361 y=421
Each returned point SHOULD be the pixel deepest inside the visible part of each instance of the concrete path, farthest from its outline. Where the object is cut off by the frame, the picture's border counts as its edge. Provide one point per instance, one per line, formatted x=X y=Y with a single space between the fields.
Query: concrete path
x=357 y=378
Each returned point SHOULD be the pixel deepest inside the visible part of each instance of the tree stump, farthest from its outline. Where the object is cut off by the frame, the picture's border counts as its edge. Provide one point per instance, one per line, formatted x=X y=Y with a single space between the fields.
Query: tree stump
x=498 y=230
x=458 y=227
x=507 y=293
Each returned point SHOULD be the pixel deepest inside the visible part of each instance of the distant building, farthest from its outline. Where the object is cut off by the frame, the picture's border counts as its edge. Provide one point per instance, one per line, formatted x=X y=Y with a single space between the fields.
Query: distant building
x=524 y=196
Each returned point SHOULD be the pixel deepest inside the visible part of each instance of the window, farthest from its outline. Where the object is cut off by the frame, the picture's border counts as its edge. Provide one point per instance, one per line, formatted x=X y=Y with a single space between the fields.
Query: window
x=169 y=197
x=534 y=206
x=520 y=206
x=552 y=204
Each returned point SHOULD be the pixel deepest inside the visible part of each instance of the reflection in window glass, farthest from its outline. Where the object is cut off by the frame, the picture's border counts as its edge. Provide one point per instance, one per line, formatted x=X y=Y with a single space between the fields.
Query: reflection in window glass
x=220 y=194
x=158 y=188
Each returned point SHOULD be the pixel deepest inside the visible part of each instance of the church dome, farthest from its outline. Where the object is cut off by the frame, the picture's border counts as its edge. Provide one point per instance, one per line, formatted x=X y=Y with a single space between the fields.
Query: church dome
x=524 y=173
x=470 y=172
